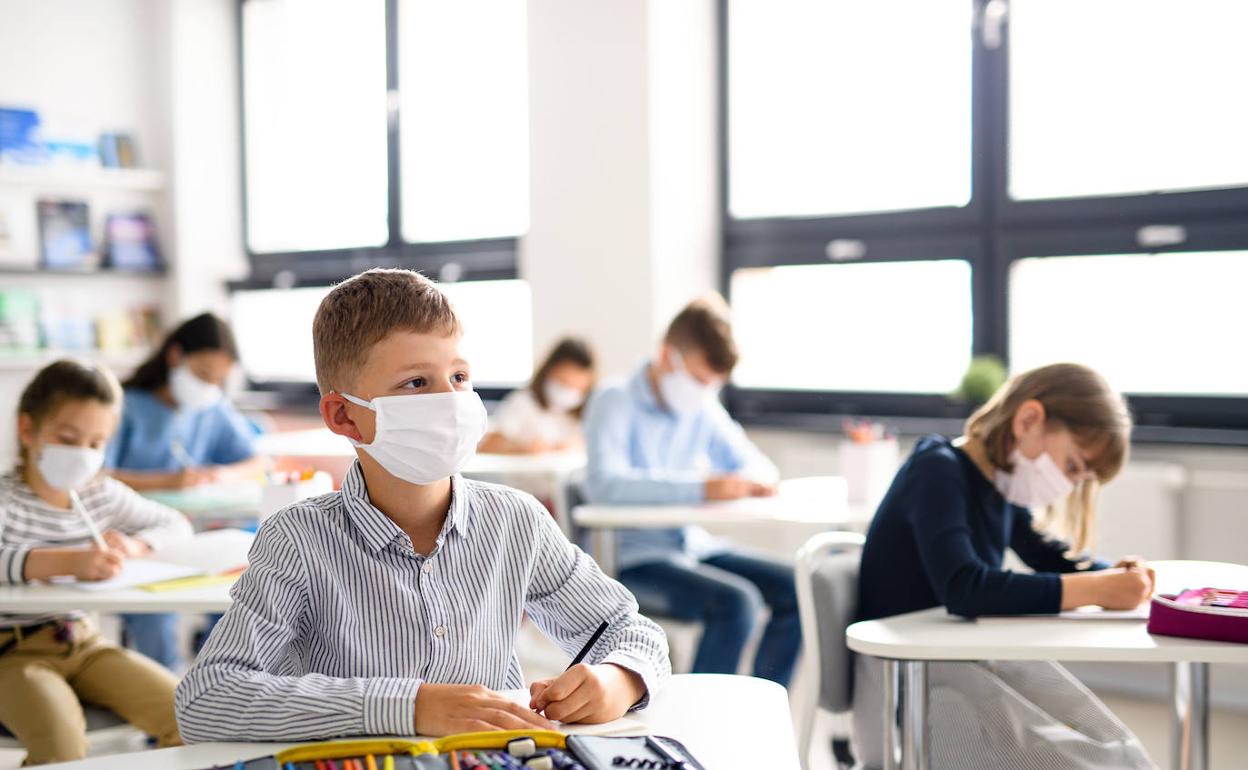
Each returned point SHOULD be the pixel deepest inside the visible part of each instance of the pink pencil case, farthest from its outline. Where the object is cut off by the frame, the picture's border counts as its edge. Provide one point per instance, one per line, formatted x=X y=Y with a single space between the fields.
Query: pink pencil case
x=1186 y=615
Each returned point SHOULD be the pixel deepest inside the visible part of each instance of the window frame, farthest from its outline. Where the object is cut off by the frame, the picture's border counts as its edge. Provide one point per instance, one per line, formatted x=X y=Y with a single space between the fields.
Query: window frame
x=1001 y=230
x=479 y=259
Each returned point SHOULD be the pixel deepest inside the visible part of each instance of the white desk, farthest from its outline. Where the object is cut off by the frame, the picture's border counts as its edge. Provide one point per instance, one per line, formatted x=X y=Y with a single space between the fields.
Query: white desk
x=906 y=642
x=52 y=598
x=727 y=722
x=817 y=500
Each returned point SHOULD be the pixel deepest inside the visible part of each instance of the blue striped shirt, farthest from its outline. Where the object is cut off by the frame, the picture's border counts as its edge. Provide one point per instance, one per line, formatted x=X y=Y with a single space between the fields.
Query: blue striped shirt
x=338 y=620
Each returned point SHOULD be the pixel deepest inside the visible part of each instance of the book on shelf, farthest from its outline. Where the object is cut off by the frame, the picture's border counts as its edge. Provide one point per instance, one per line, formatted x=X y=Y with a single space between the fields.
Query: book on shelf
x=65 y=235
x=130 y=242
x=19 y=137
x=118 y=151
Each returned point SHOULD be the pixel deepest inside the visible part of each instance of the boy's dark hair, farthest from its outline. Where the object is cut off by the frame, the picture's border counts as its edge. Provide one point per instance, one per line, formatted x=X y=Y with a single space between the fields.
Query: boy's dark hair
x=62 y=381
x=704 y=325
x=569 y=350
x=363 y=309
x=203 y=332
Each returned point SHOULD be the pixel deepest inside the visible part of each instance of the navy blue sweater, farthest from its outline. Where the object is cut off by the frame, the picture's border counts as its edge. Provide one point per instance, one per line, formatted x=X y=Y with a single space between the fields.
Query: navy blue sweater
x=939 y=537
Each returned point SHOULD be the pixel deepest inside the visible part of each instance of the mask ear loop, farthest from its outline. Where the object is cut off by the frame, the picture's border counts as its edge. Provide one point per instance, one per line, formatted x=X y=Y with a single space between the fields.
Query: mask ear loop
x=357 y=401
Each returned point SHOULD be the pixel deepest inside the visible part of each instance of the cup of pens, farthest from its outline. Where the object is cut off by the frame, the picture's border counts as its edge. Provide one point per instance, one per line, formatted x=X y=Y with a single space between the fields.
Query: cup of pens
x=869 y=456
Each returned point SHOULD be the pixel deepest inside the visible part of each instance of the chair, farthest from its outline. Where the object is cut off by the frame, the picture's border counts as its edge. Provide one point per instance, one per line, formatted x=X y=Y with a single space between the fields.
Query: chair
x=827 y=598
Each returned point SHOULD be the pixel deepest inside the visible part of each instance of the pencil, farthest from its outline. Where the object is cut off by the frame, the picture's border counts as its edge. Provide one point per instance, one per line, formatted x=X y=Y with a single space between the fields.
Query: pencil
x=454 y=760
x=76 y=503
x=589 y=645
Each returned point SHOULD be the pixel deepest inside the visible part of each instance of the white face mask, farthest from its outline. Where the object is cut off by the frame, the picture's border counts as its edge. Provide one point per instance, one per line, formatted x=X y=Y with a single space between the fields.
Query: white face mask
x=681 y=391
x=1034 y=483
x=190 y=392
x=562 y=398
x=69 y=467
x=425 y=438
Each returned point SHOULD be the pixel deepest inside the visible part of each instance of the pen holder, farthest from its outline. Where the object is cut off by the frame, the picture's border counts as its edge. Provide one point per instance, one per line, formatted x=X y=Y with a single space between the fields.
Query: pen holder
x=869 y=467
x=275 y=497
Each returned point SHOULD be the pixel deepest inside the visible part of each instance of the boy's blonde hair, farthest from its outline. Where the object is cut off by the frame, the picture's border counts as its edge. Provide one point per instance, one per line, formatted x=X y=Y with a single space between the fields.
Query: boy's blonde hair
x=362 y=310
x=1078 y=399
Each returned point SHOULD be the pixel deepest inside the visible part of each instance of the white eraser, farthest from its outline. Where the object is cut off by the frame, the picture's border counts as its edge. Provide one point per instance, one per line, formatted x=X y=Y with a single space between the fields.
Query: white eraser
x=522 y=747
x=540 y=763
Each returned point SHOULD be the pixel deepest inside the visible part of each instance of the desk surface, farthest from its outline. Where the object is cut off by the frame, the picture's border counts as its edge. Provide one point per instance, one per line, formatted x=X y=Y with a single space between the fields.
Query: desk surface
x=815 y=500
x=935 y=635
x=709 y=713
x=53 y=598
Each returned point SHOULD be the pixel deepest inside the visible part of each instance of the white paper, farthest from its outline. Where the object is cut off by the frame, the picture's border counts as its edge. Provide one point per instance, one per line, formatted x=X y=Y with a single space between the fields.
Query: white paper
x=623 y=726
x=138 y=572
x=213 y=552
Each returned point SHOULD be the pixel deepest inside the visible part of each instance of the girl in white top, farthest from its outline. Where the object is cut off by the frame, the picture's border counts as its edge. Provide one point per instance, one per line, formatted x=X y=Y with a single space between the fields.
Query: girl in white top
x=545 y=416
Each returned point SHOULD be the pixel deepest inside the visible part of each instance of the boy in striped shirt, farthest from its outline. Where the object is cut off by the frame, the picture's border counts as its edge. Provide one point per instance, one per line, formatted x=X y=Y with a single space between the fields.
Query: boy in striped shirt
x=391 y=606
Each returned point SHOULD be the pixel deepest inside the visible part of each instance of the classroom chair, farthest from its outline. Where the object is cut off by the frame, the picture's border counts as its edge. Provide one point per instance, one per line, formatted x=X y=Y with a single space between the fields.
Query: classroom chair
x=827 y=598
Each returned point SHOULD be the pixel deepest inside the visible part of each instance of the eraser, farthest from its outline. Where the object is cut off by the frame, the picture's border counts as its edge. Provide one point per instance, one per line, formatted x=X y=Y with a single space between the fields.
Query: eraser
x=540 y=763
x=522 y=747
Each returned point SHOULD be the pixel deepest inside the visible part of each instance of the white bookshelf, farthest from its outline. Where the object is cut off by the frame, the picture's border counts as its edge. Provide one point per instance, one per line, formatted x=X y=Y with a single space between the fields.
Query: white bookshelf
x=74 y=179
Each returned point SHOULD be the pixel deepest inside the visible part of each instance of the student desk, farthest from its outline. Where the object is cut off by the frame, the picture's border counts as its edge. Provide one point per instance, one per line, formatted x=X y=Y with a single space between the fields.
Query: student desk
x=816 y=500
x=907 y=642
x=727 y=722
x=53 y=598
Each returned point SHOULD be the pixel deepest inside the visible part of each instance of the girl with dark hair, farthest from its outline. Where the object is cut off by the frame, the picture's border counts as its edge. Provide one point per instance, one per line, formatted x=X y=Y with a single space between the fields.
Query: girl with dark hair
x=545 y=416
x=178 y=430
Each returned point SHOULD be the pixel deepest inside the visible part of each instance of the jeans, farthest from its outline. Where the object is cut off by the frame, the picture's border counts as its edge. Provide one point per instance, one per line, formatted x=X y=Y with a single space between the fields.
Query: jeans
x=155 y=636
x=725 y=593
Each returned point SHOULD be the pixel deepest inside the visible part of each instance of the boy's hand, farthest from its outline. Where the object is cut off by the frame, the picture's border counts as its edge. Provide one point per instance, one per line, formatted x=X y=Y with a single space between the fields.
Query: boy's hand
x=191 y=477
x=735 y=488
x=443 y=709
x=94 y=564
x=589 y=694
x=129 y=547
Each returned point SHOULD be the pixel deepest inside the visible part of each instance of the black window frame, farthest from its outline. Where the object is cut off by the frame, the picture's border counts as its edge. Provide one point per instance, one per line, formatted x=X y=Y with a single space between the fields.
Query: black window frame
x=462 y=260
x=1002 y=230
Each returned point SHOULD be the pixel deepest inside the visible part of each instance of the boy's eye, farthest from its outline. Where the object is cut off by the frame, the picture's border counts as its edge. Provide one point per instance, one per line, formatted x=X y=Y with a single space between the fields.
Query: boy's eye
x=461 y=378
x=415 y=382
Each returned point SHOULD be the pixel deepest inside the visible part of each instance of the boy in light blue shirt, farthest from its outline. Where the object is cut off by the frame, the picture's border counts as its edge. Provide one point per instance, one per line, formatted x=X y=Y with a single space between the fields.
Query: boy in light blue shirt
x=662 y=437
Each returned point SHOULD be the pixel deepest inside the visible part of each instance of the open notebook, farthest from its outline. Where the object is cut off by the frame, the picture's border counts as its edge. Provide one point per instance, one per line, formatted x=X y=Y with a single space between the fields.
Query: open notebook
x=208 y=555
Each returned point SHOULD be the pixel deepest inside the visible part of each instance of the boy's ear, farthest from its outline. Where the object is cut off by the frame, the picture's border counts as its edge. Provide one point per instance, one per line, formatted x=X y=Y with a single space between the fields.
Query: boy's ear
x=334 y=412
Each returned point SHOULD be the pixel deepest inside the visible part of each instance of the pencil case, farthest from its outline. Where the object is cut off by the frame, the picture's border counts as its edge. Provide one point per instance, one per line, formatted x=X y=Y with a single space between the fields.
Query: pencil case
x=501 y=750
x=1170 y=617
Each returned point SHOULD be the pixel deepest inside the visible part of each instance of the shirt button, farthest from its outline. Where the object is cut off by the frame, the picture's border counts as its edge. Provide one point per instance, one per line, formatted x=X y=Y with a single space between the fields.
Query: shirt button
x=427 y=567
x=440 y=631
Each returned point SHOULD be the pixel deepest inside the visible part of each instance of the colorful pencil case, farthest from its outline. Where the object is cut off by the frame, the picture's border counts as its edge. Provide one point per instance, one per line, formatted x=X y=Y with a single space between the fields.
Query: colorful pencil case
x=1203 y=613
x=502 y=750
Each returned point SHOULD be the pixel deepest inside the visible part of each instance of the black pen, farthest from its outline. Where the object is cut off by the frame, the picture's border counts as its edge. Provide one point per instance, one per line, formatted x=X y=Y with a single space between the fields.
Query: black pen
x=589 y=645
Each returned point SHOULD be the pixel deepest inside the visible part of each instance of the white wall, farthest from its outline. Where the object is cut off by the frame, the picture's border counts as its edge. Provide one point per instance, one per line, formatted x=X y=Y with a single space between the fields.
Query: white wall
x=622 y=222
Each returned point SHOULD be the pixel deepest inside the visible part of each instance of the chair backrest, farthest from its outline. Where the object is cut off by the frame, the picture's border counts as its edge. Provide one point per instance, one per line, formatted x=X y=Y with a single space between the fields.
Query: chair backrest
x=827 y=595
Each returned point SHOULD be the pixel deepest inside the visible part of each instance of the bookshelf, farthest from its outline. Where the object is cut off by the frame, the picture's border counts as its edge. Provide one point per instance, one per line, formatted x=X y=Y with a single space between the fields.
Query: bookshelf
x=70 y=179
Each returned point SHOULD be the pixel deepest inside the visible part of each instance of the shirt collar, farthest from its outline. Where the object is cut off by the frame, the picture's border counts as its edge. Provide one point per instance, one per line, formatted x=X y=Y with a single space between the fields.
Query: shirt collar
x=640 y=389
x=378 y=529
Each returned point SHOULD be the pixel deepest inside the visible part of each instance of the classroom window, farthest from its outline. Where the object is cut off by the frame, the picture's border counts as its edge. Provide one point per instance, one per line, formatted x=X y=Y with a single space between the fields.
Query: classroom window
x=384 y=133
x=273 y=328
x=1144 y=97
x=887 y=326
x=1069 y=189
x=315 y=128
x=465 y=174
x=835 y=107
x=1135 y=318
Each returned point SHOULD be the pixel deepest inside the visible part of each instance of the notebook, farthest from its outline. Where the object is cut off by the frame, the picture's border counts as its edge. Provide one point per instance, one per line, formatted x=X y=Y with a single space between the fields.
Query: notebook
x=207 y=555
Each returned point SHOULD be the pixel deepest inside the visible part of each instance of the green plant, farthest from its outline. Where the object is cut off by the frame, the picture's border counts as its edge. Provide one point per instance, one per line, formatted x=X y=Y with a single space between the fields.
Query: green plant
x=984 y=375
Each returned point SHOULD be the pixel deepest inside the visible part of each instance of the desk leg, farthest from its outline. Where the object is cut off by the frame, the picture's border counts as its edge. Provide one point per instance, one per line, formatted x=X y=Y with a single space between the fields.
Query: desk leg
x=602 y=541
x=1189 y=733
x=914 y=715
x=892 y=736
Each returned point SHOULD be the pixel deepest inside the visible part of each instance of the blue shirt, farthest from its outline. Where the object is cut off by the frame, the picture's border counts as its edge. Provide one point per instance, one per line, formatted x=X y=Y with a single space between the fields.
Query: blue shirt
x=218 y=435
x=338 y=621
x=640 y=453
x=939 y=538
